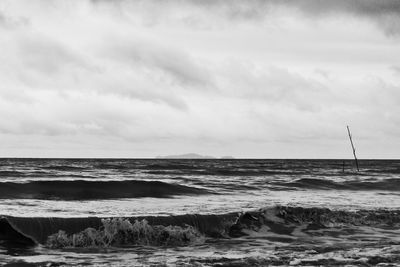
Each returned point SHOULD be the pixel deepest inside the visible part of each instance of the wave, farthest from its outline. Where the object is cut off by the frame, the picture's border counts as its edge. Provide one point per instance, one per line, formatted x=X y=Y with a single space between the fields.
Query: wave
x=39 y=229
x=84 y=190
x=64 y=168
x=167 y=165
x=284 y=222
x=11 y=174
x=223 y=172
x=120 y=232
x=112 y=166
x=392 y=184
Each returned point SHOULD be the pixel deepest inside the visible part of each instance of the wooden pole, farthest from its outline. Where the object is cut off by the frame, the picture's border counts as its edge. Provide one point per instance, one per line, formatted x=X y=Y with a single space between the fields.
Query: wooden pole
x=352 y=146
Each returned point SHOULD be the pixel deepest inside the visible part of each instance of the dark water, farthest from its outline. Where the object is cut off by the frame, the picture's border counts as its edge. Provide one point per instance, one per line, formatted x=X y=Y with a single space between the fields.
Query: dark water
x=71 y=212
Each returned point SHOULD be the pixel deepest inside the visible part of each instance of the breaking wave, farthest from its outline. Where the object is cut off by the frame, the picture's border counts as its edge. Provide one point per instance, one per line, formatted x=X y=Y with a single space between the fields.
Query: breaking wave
x=283 y=221
x=121 y=232
x=83 y=190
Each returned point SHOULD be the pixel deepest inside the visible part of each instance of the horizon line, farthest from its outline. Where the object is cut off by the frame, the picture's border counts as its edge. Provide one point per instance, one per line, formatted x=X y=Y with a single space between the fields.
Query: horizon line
x=211 y=158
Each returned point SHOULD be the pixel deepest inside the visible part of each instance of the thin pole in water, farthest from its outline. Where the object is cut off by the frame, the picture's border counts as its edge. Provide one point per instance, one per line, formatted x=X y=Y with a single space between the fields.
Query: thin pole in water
x=352 y=146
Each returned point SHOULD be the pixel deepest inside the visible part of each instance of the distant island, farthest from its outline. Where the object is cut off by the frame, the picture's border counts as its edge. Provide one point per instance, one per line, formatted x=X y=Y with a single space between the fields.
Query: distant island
x=227 y=157
x=191 y=156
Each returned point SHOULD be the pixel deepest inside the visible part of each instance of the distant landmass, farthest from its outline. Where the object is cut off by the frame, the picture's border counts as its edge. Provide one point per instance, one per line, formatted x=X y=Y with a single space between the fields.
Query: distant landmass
x=191 y=156
x=186 y=156
x=227 y=157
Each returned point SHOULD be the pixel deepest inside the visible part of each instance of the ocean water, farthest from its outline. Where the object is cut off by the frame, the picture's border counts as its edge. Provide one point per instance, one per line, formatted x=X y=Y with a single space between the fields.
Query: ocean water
x=161 y=212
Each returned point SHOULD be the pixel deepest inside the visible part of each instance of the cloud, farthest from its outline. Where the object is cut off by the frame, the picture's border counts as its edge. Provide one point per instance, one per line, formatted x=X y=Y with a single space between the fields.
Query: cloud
x=396 y=69
x=209 y=13
x=172 y=62
x=48 y=56
x=11 y=22
x=248 y=78
x=2 y=19
x=206 y=14
x=359 y=7
x=385 y=13
x=275 y=86
x=37 y=62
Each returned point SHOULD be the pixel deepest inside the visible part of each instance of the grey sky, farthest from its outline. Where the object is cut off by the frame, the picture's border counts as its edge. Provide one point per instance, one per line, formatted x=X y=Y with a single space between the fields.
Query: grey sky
x=278 y=79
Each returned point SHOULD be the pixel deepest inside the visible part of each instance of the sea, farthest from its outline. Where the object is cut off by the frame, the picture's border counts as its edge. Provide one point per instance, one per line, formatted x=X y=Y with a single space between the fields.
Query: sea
x=203 y=212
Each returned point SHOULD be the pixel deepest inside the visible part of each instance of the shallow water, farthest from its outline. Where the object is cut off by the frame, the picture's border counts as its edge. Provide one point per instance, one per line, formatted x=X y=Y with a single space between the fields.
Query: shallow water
x=131 y=188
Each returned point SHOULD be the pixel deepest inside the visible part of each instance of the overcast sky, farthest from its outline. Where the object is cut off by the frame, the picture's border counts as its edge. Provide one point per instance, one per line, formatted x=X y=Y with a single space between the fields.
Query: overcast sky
x=247 y=78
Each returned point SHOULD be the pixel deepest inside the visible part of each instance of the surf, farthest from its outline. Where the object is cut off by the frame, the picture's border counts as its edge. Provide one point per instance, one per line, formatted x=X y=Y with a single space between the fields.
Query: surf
x=283 y=222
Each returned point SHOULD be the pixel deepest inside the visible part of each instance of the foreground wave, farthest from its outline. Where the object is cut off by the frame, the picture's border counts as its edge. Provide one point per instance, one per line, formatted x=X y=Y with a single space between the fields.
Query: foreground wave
x=281 y=222
x=82 y=189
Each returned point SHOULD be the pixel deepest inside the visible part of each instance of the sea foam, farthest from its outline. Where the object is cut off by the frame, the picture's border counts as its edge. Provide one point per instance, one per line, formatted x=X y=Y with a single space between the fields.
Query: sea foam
x=121 y=232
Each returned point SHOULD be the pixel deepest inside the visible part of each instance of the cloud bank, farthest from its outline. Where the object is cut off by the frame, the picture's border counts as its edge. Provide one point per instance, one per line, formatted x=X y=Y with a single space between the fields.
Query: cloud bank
x=245 y=78
x=385 y=13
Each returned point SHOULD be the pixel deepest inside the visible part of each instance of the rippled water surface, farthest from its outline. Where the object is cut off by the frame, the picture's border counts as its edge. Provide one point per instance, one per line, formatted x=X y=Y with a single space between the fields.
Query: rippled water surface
x=251 y=212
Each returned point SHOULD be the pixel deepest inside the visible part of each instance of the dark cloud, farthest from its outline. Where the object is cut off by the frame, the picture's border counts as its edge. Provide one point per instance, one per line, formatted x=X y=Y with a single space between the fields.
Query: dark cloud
x=385 y=13
x=359 y=7
x=256 y=8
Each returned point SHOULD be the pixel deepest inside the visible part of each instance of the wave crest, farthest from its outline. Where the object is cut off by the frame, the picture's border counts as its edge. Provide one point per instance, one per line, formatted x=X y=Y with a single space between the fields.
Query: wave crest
x=120 y=232
x=185 y=229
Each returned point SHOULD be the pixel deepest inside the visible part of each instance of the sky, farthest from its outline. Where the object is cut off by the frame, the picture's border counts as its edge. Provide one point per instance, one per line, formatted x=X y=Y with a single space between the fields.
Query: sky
x=245 y=78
